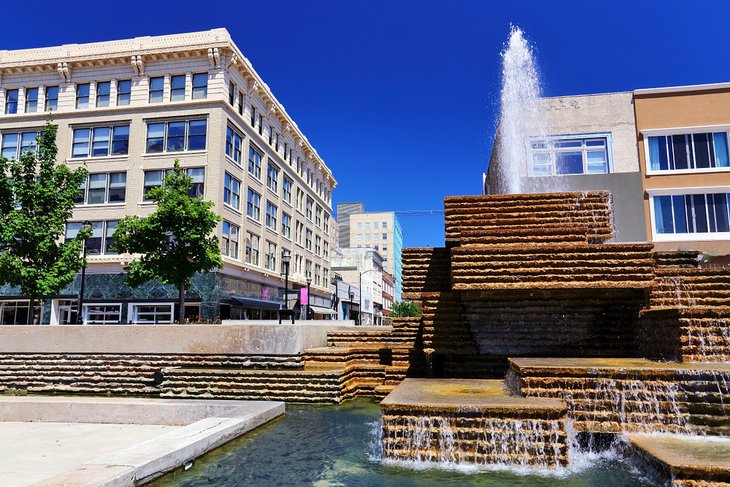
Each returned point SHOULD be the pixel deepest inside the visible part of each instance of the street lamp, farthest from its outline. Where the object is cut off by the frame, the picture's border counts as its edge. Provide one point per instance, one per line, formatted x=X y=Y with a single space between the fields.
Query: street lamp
x=309 y=296
x=80 y=307
x=285 y=259
x=359 y=312
x=352 y=298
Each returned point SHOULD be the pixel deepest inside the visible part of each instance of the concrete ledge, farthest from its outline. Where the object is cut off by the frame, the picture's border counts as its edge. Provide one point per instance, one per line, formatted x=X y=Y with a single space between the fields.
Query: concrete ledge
x=240 y=338
x=207 y=425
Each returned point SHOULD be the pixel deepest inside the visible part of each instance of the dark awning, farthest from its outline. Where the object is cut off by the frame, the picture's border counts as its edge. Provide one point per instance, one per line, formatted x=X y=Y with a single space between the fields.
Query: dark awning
x=256 y=303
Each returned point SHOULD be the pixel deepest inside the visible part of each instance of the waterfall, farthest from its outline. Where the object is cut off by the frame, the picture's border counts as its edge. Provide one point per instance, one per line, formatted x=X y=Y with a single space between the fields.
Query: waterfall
x=519 y=110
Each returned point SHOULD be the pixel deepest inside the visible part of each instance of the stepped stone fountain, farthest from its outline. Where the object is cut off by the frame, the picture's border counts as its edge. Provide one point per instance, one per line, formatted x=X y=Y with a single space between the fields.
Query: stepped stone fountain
x=531 y=299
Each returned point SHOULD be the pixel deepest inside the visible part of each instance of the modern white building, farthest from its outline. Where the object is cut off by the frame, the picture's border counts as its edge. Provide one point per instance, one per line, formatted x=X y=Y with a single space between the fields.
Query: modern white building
x=361 y=270
x=126 y=110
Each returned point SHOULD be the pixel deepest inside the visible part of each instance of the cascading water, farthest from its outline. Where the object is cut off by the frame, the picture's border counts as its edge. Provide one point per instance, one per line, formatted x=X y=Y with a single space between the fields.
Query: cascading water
x=519 y=110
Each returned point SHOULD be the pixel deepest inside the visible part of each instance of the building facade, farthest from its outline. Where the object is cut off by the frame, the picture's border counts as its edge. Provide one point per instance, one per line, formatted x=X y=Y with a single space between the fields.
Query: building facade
x=361 y=270
x=126 y=110
x=582 y=143
x=380 y=231
x=682 y=137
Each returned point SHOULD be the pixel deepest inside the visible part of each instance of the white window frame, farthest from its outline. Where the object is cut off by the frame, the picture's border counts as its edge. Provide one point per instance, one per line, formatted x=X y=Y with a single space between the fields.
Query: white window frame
x=696 y=129
x=684 y=237
x=103 y=322
x=132 y=315
x=582 y=136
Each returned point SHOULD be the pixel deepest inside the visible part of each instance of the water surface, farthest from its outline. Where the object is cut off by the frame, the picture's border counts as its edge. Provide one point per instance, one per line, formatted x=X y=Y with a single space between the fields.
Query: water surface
x=328 y=446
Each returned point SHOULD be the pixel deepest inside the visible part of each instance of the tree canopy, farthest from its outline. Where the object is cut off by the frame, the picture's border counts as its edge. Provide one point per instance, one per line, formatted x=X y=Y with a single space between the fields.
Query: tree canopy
x=36 y=200
x=175 y=241
x=402 y=309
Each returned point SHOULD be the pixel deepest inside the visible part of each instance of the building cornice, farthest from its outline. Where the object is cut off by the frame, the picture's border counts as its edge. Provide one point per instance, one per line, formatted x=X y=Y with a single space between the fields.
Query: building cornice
x=682 y=89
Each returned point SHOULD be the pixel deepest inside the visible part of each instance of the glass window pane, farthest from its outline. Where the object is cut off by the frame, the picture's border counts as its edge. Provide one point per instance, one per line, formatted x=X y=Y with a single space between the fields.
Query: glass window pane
x=100 y=145
x=663 y=214
x=569 y=163
x=117 y=187
x=701 y=144
x=120 y=143
x=81 y=143
x=10 y=146
x=28 y=142
x=175 y=136
x=196 y=137
x=721 y=149
x=124 y=90
x=680 y=214
x=597 y=162
x=155 y=137
x=111 y=226
x=700 y=213
x=177 y=87
x=679 y=149
x=93 y=243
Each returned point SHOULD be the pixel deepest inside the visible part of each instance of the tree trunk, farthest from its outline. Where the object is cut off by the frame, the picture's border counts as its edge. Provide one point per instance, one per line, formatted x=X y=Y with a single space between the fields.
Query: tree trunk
x=181 y=303
x=31 y=311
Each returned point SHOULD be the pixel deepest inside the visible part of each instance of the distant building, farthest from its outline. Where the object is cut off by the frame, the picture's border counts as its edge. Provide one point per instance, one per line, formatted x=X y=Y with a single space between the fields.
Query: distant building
x=581 y=143
x=380 y=231
x=362 y=269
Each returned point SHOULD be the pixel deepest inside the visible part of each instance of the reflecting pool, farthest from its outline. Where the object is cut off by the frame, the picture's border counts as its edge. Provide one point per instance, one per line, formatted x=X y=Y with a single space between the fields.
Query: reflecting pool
x=328 y=446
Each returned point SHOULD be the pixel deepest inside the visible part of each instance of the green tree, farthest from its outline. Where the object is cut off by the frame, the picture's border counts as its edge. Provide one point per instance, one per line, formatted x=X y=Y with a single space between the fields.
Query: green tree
x=175 y=241
x=401 y=309
x=36 y=201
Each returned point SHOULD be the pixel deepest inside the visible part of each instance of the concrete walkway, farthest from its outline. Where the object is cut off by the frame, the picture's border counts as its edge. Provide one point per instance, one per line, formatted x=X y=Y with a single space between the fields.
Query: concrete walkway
x=115 y=441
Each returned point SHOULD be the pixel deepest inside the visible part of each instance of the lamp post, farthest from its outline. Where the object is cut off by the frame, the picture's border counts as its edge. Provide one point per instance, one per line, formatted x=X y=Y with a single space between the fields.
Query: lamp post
x=80 y=307
x=285 y=259
x=352 y=298
x=309 y=297
x=359 y=313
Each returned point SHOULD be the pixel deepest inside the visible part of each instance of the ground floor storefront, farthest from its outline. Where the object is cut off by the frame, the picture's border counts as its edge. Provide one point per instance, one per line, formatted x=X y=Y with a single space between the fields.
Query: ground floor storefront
x=211 y=298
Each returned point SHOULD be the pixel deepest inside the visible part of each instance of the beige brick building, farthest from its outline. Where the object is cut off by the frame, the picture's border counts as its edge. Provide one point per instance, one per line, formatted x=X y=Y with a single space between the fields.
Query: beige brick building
x=126 y=110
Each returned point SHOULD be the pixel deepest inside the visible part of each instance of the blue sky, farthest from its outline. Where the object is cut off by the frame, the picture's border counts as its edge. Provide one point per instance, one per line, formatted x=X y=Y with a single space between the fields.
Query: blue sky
x=400 y=97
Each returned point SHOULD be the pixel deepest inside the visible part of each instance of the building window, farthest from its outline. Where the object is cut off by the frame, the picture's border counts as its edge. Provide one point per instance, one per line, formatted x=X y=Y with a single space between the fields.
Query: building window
x=124 y=92
x=261 y=125
x=101 y=188
x=285 y=225
x=240 y=103
x=253 y=116
x=232 y=191
x=232 y=93
x=691 y=214
x=102 y=314
x=14 y=144
x=101 y=238
x=271 y=215
x=31 y=100
x=310 y=204
x=157 y=89
x=308 y=239
x=151 y=313
x=326 y=253
x=51 y=98
x=100 y=141
x=253 y=207
x=155 y=178
x=271 y=135
x=317 y=275
x=270 y=258
x=177 y=87
x=286 y=189
x=16 y=312
x=234 y=142
x=200 y=86
x=272 y=177
x=318 y=245
x=229 y=240
x=570 y=155
x=252 y=248
x=299 y=232
x=176 y=136
x=689 y=152
x=11 y=101
x=103 y=89
x=318 y=216
x=82 y=95
x=254 y=162
x=326 y=223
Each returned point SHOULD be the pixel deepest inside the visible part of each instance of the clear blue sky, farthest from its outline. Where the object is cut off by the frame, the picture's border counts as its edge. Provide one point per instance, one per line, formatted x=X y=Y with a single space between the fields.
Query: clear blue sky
x=400 y=97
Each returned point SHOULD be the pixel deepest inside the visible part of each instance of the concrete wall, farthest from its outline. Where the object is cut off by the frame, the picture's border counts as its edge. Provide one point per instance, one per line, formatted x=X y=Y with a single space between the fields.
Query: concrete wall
x=628 y=200
x=234 y=337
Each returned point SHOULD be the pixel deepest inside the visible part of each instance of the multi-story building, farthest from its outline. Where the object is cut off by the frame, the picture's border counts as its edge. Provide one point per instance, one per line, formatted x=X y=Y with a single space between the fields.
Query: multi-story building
x=388 y=292
x=361 y=270
x=379 y=231
x=581 y=143
x=126 y=110
x=683 y=136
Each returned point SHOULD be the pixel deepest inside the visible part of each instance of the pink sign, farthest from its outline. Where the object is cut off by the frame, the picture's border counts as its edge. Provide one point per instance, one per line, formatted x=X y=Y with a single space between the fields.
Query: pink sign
x=303 y=296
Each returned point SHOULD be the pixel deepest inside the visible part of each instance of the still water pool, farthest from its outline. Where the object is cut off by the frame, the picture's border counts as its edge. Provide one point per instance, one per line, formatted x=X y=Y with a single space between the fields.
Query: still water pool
x=328 y=446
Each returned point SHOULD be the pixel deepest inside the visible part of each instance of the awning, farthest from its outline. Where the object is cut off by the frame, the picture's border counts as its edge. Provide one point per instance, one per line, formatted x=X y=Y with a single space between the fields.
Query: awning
x=322 y=311
x=256 y=303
